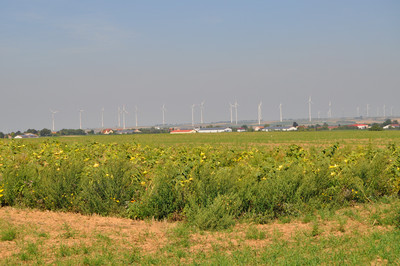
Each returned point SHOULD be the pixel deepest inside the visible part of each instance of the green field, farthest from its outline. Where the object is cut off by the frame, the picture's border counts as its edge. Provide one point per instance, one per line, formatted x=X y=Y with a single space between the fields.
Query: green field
x=351 y=137
x=214 y=182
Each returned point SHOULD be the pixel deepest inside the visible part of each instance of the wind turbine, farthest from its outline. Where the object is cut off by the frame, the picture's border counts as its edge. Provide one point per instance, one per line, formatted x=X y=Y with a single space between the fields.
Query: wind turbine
x=259 y=113
x=231 y=106
x=163 y=114
x=236 y=110
x=384 y=111
x=330 y=110
x=309 y=108
x=119 y=117
x=52 y=118
x=367 y=110
x=201 y=112
x=358 y=111
x=124 y=112
x=80 y=118
x=280 y=112
x=136 y=111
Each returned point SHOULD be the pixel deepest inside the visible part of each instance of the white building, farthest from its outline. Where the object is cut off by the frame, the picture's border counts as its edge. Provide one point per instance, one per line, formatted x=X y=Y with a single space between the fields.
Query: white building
x=26 y=136
x=214 y=130
x=268 y=129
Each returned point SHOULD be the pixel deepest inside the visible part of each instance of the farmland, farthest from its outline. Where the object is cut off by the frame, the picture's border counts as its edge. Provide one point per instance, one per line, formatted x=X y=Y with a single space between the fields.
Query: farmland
x=245 y=182
x=350 y=137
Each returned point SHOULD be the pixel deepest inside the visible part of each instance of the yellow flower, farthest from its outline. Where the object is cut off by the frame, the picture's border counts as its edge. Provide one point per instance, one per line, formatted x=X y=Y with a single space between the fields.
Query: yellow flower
x=143 y=183
x=96 y=165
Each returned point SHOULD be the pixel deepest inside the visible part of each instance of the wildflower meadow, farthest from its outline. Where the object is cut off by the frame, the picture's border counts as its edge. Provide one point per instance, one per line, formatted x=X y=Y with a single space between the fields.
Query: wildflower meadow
x=208 y=185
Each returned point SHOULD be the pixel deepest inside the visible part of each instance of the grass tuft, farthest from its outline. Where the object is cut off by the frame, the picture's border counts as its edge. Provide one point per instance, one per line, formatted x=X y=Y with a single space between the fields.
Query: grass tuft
x=9 y=234
x=254 y=233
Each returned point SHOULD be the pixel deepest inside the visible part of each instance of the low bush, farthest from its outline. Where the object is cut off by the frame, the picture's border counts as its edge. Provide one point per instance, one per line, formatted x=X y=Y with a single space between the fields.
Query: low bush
x=210 y=187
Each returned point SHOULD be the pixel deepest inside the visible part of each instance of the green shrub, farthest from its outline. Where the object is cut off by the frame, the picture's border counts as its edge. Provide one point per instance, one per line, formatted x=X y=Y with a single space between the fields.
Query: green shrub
x=219 y=214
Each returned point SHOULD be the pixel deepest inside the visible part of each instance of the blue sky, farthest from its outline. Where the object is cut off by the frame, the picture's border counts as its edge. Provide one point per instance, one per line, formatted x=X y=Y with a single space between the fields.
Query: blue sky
x=71 y=55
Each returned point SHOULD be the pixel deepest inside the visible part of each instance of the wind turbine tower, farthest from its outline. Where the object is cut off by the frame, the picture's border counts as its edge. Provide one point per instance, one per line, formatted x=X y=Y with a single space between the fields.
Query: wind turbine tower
x=259 y=113
x=280 y=112
x=236 y=110
x=330 y=110
x=80 y=118
x=231 y=106
x=124 y=112
x=309 y=108
x=163 y=114
x=384 y=111
x=52 y=118
x=367 y=110
x=358 y=111
x=201 y=112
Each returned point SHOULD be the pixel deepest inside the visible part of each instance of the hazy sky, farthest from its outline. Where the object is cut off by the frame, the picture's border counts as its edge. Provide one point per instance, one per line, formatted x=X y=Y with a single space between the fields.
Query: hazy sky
x=69 y=55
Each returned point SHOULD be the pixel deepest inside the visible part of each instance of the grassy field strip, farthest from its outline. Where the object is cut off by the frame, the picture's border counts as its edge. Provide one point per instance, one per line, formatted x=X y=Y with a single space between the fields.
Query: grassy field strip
x=363 y=234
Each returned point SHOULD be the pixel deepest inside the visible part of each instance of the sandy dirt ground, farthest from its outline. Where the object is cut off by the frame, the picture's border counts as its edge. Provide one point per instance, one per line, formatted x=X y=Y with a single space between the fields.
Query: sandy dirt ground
x=149 y=236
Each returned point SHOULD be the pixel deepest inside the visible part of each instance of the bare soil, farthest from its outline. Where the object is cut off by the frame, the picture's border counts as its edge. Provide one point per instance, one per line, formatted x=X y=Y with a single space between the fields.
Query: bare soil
x=150 y=236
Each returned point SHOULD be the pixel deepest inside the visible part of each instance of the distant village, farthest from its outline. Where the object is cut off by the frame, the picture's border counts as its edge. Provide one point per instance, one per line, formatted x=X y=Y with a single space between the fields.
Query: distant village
x=388 y=124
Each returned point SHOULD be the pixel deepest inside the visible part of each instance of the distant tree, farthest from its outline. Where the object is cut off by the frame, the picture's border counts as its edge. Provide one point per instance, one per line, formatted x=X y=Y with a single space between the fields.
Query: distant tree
x=18 y=133
x=91 y=132
x=376 y=127
x=33 y=131
x=2 y=135
x=45 y=132
x=295 y=124
x=395 y=122
x=245 y=127
x=387 y=122
x=68 y=132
